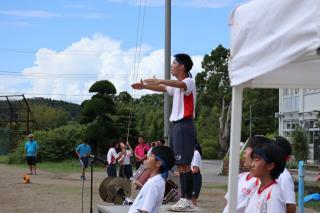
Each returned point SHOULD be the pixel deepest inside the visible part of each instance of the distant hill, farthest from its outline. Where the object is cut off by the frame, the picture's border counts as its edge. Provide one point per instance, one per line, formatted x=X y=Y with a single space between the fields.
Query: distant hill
x=72 y=109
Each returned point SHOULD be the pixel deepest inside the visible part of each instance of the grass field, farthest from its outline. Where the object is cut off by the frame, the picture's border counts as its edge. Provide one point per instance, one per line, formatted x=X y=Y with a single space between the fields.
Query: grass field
x=63 y=166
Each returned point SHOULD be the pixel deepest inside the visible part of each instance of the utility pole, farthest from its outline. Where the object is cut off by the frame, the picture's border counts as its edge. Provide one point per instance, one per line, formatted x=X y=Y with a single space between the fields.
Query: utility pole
x=167 y=64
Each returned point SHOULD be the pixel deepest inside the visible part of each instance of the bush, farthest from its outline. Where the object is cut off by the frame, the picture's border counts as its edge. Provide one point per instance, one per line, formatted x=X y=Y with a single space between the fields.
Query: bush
x=54 y=145
x=300 y=145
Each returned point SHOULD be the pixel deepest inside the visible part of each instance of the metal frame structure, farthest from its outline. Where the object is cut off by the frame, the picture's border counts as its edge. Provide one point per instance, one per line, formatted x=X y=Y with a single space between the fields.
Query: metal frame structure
x=15 y=109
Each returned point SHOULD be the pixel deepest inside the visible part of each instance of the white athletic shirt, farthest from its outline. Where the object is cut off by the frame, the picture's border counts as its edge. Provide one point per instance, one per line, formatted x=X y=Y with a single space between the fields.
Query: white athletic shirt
x=184 y=101
x=150 y=196
x=287 y=187
x=270 y=200
x=126 y=158
x=112 y=156
x=196 y=160
x=246 y=185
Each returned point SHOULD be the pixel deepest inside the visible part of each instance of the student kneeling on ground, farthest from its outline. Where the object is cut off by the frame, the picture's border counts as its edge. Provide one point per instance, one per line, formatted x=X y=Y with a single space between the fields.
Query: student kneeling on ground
x=151 y=195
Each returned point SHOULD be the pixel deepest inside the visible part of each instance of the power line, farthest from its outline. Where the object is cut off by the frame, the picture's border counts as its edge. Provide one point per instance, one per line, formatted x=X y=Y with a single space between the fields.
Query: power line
x=80 y=53
x=10 y=74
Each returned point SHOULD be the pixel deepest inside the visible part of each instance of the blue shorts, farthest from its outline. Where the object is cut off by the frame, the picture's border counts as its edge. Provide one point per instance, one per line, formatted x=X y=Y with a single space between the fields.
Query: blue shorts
x=183 y=140
x=84 y=161
x=31 y=160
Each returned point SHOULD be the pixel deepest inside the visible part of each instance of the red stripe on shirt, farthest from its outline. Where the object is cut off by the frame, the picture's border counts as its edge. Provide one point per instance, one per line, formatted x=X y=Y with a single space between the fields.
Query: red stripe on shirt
x=188 y=106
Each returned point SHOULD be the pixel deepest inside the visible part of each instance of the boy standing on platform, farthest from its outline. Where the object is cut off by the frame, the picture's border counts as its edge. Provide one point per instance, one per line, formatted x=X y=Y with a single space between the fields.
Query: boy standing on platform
x=183 y=132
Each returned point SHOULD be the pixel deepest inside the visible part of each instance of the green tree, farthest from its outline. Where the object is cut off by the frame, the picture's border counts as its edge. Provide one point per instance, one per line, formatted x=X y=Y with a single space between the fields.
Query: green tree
x=214 y=91
x=149 y=116
x=125 y=117
x=49 y=117
x=97 y=112
x=264 y=103
x=214 y=104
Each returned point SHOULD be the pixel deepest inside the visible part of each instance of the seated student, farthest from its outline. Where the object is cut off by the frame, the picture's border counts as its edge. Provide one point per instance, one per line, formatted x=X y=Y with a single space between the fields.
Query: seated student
x=196 y=173
x=267 y=165
x=246 y=182
x=285 y=180
x=151 y=195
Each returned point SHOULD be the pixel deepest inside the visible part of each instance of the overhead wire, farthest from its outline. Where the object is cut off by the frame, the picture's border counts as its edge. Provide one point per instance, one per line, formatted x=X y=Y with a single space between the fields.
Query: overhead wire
x=135 y=74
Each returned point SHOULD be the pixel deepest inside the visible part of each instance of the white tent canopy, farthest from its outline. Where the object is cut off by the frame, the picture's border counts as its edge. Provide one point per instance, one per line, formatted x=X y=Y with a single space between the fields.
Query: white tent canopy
x=273 y=45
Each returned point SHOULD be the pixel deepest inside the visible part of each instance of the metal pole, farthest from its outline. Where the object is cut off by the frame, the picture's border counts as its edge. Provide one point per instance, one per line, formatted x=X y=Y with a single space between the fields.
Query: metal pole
x=236 y=114
x=301 y=187
x=167 y=64
x=91 y=186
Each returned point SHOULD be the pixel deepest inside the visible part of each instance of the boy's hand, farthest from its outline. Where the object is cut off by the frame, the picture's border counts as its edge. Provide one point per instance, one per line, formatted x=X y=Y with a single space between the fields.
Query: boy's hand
x=152 y=81
x=137 y=85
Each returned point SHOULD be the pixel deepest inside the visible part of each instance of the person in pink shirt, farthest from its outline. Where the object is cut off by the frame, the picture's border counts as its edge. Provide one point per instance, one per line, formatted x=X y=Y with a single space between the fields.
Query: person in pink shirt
x=140 y=152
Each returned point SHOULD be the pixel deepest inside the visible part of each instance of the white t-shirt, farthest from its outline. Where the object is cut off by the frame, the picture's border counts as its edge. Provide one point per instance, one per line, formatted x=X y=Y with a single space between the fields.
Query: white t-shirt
x=270 y=200
x=112 y=156
x=184 y=101
x=126 y=158
x=287 y=187
x=196 y=160
x=150 y=196
x=246 y=185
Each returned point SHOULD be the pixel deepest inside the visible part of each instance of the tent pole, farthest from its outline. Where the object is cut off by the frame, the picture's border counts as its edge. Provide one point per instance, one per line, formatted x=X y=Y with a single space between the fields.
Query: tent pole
x=236 y=115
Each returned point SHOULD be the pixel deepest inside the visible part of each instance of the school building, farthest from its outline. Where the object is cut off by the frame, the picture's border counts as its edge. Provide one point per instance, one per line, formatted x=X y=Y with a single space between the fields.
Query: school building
x=301 y=107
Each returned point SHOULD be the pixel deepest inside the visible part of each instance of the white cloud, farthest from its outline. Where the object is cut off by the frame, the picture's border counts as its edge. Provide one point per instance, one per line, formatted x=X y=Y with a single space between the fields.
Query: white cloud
x=90 y=59
x=185 y=3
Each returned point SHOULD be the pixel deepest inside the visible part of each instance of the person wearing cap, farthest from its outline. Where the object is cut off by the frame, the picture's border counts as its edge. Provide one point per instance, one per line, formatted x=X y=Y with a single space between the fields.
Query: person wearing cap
x=83 y=151
x=183 y=132
x=30 y=152
x=150 y=197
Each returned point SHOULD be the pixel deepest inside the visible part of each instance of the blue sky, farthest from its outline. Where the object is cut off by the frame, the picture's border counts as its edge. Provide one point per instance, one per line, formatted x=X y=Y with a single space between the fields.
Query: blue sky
x=57 y=49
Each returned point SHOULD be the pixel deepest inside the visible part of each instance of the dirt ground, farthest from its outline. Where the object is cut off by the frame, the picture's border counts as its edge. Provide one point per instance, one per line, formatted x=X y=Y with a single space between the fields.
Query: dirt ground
x=61 y=192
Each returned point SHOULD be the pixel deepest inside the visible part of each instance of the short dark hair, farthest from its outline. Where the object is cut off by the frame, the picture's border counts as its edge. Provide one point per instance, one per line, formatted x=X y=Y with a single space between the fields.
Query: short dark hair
x=271 y=153
x=166 y=155
x=284 y=144
x=256 y=140
x=185 y=60
x=113 y=143
x=198 y=148
x=162 y=141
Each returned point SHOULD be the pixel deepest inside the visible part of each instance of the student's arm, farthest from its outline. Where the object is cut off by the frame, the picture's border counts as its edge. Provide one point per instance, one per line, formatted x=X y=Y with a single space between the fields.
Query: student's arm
x=195 y=169
x=290 y=208
x=130 y=148
x=140 y=85
x=170 y=83
x=77 y=151
x=121 y=157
